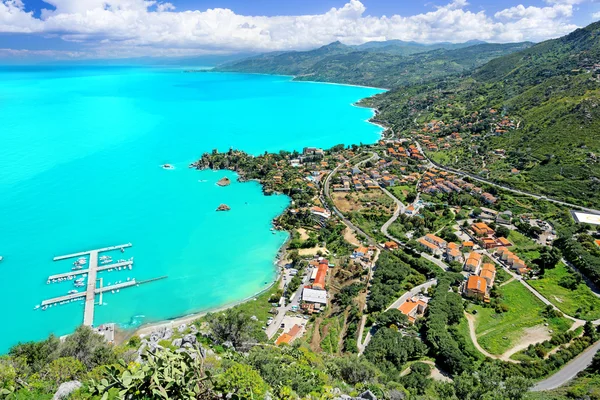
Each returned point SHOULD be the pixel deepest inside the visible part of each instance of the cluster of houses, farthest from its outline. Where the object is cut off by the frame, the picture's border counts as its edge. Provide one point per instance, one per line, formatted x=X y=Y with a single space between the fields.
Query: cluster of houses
x=314 y=296
x=452 y=252
x=436 y=181
x=481 y=278
x=487 y=236
x=396 y=150
x=511 y=260
x=372 y=178
x=363 y=255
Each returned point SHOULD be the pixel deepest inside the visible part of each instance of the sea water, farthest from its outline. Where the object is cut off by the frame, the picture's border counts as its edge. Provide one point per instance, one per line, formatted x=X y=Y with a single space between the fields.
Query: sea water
x=81 y=150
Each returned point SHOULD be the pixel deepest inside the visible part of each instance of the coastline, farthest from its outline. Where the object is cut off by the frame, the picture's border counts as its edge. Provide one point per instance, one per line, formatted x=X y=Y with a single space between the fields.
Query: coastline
x=292 y=78
x=146 y=329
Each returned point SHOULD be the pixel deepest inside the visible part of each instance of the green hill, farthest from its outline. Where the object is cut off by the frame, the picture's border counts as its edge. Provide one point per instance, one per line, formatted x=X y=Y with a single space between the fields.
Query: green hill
x=550 y=91
x=382 y=64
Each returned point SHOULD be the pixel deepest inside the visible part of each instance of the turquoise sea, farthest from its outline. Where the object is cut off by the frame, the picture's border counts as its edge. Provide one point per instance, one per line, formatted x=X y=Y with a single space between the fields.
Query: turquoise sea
x=80 y=151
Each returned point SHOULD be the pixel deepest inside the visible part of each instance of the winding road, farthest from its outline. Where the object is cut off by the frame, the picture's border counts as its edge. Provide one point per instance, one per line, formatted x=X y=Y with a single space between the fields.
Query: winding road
x=565 y=374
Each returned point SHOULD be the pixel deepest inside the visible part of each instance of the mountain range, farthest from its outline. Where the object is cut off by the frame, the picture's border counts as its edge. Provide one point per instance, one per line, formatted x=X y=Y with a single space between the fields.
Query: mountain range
x=549 y=91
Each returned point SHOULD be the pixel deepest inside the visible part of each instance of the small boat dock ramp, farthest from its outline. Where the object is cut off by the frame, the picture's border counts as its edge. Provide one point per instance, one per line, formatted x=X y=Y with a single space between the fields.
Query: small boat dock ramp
x=97 y=263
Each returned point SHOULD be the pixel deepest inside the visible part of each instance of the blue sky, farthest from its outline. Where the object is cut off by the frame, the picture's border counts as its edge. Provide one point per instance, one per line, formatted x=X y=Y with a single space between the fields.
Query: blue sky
x=171 y=28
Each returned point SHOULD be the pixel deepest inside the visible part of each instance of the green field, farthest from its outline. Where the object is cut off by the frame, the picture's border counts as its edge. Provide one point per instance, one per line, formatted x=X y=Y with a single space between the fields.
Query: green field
x=578 y=303
x=498 y=333
x=402 y=191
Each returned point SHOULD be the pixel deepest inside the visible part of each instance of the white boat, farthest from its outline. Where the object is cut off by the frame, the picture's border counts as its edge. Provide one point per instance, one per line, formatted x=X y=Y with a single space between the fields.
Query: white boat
x=44 y=308
x=73 y=291
x=79 y=280
x=82 y=260
x=1 y=258
x=36 y=307
x=80 y=284
x=167 y=166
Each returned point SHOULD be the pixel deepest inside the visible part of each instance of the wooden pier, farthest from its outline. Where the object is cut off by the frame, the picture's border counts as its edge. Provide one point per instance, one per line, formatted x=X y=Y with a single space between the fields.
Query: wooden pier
x=100 y=290
x=92 y=273
x=86 y=271
x=84 y=253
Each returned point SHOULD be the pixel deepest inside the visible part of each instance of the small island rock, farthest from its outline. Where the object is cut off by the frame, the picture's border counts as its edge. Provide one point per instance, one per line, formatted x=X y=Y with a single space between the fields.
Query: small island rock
x=223 y=207
x=225 y=181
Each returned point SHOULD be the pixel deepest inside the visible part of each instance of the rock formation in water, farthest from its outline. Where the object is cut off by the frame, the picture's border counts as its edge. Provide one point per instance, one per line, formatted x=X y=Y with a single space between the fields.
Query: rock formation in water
x=223 y=207
x=224 y=181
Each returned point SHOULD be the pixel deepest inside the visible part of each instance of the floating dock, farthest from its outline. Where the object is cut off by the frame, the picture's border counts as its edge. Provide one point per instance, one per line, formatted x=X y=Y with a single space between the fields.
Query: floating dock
x=92 y=271
x=84 y=253
x=87 y=271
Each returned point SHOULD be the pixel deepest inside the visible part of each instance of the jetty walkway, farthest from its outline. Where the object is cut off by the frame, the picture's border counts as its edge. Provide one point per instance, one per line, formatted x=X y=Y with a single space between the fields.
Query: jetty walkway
x=92 y=272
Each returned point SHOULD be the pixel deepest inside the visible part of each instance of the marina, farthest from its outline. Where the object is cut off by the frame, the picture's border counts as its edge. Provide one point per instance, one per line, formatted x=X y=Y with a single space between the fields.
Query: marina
x=91 y=272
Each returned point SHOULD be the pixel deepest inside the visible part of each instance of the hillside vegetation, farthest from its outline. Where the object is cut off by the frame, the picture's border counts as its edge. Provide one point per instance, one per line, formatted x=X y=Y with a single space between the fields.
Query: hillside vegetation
x=550 y=91
x=380 y=64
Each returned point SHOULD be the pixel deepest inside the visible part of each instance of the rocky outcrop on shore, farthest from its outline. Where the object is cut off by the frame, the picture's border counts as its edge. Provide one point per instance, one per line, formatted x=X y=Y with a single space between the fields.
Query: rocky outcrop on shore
x=223 y=207
x=225 y=181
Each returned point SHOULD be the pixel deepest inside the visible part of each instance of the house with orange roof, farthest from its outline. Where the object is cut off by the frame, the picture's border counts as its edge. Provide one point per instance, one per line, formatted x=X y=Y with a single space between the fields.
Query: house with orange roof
x=289 y=336
x=476 y=287
x=488 y=243
x=319 y=282
x=473 y=263
x=453 y=253
x=320 y=212
x=429 y=247
x=468 y=245
x=414 y=307
x=360 y=251
x=390 y=245
x=488 y=272
x=504 y=242
x=438 y=241
x=482 y=229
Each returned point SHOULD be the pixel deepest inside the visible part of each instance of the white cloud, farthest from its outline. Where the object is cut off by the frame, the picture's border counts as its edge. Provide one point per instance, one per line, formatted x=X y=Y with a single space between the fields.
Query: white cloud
x=122 y=27
x=596 y=15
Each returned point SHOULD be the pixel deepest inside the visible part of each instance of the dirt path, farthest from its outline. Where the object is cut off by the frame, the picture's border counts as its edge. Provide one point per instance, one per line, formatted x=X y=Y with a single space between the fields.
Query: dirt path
x=508 y=281
x=350 y=237
x=471 y=321
x=303 y=233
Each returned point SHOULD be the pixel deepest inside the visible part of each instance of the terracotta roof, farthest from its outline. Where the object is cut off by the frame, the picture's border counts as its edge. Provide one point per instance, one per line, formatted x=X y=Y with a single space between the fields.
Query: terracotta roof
x=320 y=278
x=289 y=336
x=428 y=244
x=504 y=241
x=488 y=267
x=476 y=283
x=468 y=244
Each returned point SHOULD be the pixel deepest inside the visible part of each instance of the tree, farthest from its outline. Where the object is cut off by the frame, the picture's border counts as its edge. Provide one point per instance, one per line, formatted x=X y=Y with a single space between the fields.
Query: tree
x=549 y=258
x=243 y=380
x=354 y=369
x=88 y=347
x=502 y=231
x=392 y=317
x=36 y=354
x=233 y=326
x=418 y=380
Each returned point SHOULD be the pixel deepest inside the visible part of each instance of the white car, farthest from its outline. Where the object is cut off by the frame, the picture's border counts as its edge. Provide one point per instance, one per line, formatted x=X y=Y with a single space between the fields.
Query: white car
x=269 y=321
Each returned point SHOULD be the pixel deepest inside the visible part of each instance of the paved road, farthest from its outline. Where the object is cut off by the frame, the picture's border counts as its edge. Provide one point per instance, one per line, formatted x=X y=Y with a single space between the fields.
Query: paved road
x=569 y=371
x=345 y=220
x=282 y=310
x=384 y=229
x=475 y=177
